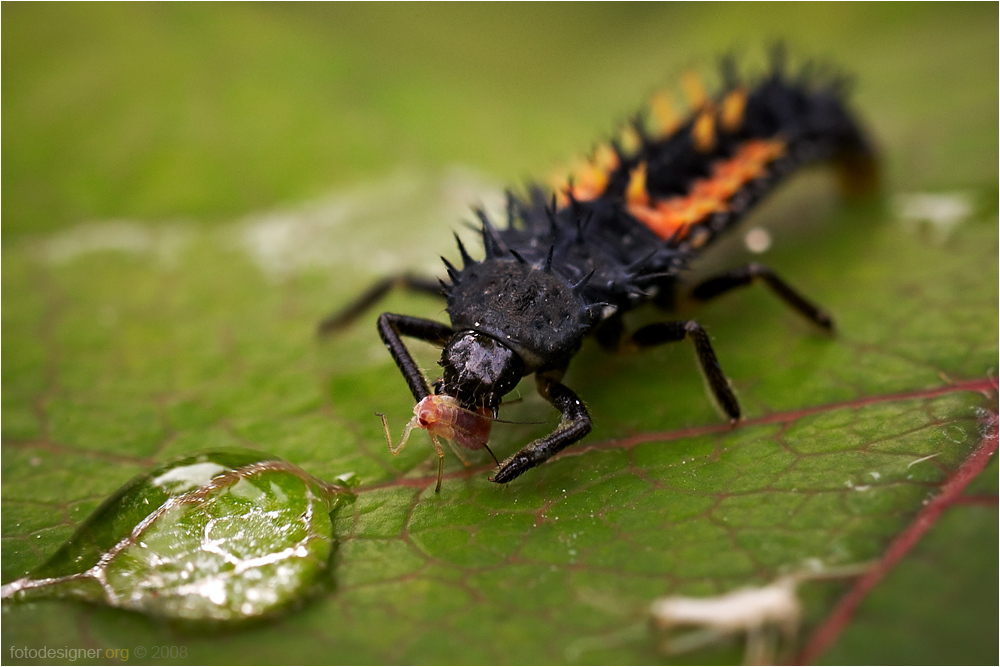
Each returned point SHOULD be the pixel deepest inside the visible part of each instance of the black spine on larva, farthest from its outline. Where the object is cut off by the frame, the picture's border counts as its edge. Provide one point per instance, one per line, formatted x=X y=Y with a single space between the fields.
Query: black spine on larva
x=607 y=255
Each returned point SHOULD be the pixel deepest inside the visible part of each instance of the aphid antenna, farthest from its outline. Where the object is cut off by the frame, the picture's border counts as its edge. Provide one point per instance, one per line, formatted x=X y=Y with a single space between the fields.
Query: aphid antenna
x=505 y=421
x=495 y=459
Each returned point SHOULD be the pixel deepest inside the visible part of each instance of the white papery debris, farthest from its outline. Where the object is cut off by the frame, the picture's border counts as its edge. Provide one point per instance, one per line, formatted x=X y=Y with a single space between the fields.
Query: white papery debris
x=768 y=615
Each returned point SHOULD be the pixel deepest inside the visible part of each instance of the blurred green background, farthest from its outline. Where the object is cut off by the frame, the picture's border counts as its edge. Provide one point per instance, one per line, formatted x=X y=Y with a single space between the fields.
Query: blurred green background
x=208 y=113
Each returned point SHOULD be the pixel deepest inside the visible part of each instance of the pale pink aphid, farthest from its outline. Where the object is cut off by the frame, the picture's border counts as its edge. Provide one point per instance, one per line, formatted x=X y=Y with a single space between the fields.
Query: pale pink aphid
x=443 y=416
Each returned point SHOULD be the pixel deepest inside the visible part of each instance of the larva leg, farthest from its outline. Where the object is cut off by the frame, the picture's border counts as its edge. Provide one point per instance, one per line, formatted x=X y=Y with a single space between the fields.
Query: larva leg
x=342 y=318
x=672 y=332
x=751 y=273
x=392 y=327
x=575 y=424
x=610 y=331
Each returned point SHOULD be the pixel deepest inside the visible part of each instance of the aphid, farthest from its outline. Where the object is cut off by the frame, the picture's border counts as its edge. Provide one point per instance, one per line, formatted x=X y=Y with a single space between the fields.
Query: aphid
x=444 y=417
x=570 y=263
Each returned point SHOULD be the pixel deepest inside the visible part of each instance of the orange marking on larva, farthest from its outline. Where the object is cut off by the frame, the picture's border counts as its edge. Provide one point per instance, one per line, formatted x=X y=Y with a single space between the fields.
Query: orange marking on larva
x=636 y=194
x=589 y=183
x=703 y=131
x=694 y=90
x=733 y=106
x=595 y=179
x=590 y=179
x=606 y=158
x=656 y=220
x=664 y=114
x=708 y=195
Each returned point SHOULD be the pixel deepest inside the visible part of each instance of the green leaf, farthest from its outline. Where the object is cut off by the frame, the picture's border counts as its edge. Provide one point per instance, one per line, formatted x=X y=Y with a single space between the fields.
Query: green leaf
x=221 y=536
x=184 y=317
x=945 y=589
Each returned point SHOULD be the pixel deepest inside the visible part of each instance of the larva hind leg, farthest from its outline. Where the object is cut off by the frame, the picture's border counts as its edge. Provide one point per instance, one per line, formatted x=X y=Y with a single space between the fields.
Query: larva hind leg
x=345 y=316
x=672 y=332
x=753 y=272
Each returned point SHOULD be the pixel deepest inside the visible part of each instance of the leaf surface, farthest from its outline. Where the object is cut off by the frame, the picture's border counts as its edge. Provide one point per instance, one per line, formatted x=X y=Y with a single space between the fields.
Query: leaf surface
x=128 y=343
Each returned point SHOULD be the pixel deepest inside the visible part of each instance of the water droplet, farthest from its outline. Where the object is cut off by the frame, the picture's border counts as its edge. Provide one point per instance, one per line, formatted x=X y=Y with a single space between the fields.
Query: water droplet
x=221 y=536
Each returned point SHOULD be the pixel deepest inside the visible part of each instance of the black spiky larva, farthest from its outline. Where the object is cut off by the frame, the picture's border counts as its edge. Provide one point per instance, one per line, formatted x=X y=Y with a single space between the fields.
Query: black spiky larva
x=620 y=233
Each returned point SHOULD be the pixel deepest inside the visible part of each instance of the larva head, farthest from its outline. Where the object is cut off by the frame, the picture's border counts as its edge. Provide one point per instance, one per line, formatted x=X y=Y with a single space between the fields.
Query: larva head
x=478 y=370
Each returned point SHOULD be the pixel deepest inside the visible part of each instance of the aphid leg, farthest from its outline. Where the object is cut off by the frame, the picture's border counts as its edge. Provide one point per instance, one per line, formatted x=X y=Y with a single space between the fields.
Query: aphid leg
x=391 y=327
x=345 y=316
x=440 y=452
x=575 y=424
x=394 y=450
x=751 y=273
x=458 y=453
x=672 y=332
x=402 y=439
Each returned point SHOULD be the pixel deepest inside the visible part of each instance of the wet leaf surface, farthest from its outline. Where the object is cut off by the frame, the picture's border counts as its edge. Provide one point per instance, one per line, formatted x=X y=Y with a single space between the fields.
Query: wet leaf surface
x=128 y=343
